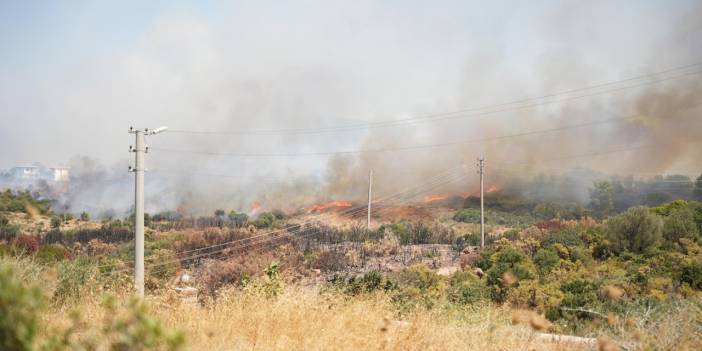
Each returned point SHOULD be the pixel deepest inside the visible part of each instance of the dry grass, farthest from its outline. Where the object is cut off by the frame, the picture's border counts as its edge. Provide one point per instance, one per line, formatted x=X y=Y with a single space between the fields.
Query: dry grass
x=304 y=319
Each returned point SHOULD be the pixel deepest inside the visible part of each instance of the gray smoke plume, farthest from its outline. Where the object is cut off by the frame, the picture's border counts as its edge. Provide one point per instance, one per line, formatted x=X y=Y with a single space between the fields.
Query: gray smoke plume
x=254 y=68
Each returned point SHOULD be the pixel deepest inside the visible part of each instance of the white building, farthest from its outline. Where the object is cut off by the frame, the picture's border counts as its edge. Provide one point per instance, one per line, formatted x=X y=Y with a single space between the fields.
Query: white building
x=61 y=174
x=30 y=174
x=25 y=173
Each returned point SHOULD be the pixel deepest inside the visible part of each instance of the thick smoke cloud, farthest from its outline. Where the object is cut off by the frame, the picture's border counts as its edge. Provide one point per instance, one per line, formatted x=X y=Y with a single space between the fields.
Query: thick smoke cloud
x=253 y=67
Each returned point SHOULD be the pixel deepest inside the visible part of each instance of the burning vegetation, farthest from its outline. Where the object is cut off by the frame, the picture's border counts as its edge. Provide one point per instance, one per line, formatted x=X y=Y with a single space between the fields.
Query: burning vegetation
x=330 y=206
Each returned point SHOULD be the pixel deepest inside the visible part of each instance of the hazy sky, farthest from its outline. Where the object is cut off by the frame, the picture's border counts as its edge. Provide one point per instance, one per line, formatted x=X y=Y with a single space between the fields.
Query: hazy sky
x=74 y=75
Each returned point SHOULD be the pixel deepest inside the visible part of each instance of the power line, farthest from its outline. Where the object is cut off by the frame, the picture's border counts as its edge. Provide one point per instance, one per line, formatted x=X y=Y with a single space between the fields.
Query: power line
x=470 y=112
x=412 y=147
x=400 y=148
x=200 y=174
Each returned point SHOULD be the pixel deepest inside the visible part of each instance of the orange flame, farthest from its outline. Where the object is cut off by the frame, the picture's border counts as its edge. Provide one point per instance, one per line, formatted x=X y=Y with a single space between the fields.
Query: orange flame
x=492 y=189
x=435 y=197
x=331 y=205
x=255 y=208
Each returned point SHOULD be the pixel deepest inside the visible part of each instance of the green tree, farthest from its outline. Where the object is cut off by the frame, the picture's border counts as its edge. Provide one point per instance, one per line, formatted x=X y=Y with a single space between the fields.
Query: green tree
x=680 y=224
x=637 y=230
x=602 y=198
x=697 y=191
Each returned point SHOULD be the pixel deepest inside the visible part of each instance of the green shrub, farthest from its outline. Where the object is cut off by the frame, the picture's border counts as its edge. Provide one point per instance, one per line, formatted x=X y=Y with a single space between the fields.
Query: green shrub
x=51 y=253
x=545 y=260
x=568 y=236
x=8 y=232
x=411 y=233
x=543 y=297
x=19 y=306
x=691 y=273
x=579 y=297
x=168 y=264
x=680 y=224
x=239 y=219
x=472 y=215
x=418 y=285
x=637 y=230
x=507 y=261
x=266 y=220
x=22 y=201
x=55 y=221
x=467 y=215
x=512 y=234
x=74 y=278
x=367 y=283
x=667 y=209
x=466 y=288
x=272 y=284
x=485 y=259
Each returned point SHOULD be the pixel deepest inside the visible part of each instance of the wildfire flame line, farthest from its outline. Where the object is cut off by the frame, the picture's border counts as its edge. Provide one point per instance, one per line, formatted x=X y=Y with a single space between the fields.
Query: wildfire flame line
x=329 y=205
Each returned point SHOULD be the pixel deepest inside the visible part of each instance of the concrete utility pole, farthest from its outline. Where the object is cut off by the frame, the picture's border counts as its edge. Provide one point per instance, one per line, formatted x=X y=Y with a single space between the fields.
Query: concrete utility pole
x=481 y=171
x=139 y=150
x=370 y=194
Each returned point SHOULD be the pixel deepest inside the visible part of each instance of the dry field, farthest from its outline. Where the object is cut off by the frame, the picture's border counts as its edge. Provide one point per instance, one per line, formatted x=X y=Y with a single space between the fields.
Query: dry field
x=304 y=319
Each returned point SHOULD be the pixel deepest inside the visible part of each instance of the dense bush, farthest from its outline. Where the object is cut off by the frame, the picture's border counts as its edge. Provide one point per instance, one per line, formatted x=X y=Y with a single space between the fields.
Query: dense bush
x=545 y=260
x=419 y=285
x=239 y=219
x=466 y=288
x=637 y=230
x=472 y=215
x=567 y=235
x=418 y=233
x=365 y=283
x=680 y=224
x=19 y=306
x=55 y=221
x=508 y=267
x=691 y=273
x=7 y=231
x=22 y=201
x=166 y=216
x=109 y=233
x=53 y=253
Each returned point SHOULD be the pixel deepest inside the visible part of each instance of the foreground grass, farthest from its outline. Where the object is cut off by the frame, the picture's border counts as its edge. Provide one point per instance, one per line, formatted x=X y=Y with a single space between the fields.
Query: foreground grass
x=304 y=319
x=307 y=318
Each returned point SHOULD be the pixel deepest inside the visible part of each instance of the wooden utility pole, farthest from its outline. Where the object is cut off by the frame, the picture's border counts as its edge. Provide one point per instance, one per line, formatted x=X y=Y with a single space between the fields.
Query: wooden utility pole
x=481 y=171
x=370 y=196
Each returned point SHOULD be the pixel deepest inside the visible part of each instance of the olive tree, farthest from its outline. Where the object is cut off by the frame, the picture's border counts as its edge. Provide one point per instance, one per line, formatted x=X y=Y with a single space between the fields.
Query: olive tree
x=602 y=198
x=680 y=224
x=637 y=230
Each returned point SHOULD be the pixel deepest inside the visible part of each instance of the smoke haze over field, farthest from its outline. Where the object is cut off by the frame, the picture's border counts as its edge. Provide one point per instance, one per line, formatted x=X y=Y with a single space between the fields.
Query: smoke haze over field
x=75 y=77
